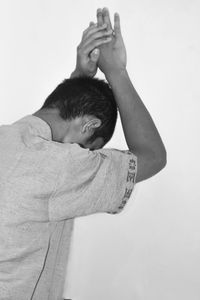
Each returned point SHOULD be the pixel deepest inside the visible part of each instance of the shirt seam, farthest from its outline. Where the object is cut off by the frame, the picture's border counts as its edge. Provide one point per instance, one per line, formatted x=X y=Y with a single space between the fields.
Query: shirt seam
x=126 y=185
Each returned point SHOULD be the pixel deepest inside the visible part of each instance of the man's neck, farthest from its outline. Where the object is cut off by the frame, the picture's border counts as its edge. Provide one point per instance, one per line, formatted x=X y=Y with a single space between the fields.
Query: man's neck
x=55 y=122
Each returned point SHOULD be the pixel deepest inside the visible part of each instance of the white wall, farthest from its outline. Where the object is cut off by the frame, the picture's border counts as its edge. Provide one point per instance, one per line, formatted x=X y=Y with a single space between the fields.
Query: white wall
x=151 y=250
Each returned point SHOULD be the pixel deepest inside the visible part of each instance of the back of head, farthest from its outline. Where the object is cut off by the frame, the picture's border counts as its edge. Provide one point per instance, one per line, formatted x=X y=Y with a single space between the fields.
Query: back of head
x=76 y=97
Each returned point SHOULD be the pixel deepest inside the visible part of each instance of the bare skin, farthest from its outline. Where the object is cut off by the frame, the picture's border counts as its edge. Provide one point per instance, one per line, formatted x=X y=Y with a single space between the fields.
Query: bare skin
x=140 y=132
x=104 y=48
x=80 y=129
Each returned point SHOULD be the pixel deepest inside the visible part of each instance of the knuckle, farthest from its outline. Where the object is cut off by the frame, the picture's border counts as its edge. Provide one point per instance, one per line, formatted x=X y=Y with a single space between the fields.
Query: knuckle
x=79 y=48
x=105 y=33
x=99 y=13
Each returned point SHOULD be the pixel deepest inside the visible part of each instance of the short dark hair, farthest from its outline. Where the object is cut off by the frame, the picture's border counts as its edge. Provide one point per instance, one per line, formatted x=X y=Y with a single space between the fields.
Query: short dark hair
x=81 y=96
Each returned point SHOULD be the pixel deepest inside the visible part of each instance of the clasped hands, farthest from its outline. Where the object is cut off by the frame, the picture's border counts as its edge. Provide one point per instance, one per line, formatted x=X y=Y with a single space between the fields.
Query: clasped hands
x=101 y=46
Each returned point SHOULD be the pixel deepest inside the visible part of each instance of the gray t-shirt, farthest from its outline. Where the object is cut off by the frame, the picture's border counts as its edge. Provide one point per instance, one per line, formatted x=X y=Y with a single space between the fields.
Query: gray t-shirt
x=44 y=185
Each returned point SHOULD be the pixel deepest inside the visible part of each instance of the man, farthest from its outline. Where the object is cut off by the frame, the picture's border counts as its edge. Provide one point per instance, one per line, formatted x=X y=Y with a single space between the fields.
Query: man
x=53 y=167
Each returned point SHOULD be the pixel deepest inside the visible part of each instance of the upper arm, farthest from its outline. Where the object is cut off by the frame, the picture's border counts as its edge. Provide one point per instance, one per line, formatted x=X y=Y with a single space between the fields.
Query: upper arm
x=149 y=164
x=94 y=181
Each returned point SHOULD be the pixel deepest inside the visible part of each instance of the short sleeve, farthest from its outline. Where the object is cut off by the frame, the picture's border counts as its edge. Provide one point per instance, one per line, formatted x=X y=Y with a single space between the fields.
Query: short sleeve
x=93 y=182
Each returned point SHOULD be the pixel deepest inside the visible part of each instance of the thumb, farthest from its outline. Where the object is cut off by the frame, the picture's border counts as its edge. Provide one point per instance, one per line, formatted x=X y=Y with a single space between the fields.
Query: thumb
x=94 y=55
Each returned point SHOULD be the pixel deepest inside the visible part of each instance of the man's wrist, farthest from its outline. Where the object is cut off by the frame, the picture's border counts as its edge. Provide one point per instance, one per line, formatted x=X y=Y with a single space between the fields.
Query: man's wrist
x=116 y=73
x=79 y=73
x=76 y=73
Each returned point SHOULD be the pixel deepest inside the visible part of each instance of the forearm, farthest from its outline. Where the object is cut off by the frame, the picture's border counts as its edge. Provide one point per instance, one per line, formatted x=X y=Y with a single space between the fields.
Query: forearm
x=139 y=129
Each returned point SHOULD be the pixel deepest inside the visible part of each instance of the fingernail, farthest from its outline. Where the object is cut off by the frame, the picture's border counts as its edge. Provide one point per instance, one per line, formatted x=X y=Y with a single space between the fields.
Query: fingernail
x=99 y=12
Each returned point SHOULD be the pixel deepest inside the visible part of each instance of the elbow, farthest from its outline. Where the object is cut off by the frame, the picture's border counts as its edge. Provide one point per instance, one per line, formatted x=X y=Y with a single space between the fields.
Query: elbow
x=161 y=160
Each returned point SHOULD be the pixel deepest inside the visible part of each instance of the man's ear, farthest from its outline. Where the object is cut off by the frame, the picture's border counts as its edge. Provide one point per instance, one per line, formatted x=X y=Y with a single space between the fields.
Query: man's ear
x=91 y=125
